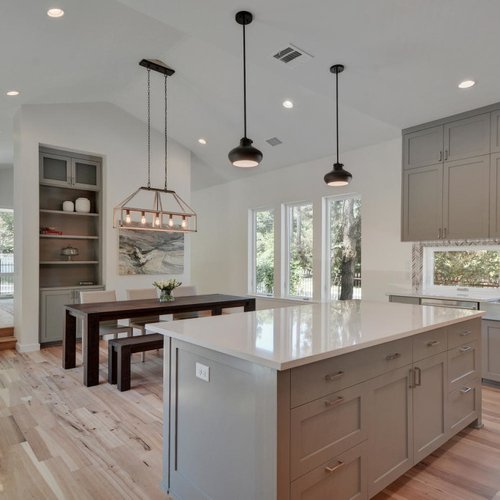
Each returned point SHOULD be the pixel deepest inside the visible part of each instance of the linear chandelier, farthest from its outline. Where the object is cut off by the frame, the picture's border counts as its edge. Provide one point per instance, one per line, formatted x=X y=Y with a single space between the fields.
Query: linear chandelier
x=149 y=208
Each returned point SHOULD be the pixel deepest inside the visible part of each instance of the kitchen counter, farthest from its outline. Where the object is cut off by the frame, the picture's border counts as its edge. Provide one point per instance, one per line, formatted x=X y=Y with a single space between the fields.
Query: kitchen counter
x=471 y=296
x=331 y=400
x=293 y=336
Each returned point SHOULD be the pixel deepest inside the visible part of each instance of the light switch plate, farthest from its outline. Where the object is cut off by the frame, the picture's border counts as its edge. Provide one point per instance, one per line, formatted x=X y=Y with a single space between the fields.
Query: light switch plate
x=203 y=372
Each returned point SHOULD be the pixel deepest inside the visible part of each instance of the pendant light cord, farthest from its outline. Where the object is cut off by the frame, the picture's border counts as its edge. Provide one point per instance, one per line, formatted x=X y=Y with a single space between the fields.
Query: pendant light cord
x=244 y=83
x=337 y=111
x=149 y=128
x=166 y=137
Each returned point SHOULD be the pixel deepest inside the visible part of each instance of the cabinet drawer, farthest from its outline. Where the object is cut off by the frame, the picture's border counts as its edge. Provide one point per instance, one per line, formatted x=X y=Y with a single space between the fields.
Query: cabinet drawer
x=464 y=404
x=327 y=427
x=314 y=381
x=429 y=343
x=463 y=362
x=460 y=333
x=341 y=478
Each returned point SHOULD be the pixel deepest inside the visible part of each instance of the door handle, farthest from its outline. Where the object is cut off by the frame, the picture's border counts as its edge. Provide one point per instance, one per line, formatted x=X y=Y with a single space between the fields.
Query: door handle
x=445 y=231
x=432 y=343
x=390 y=357
x=340 y=464
x=439 y=233
x=445 y=154
x=465 y=348
x=440 y=156
x=465 y=333
x=334 y=376
x=334 y=402
x=465 y=390
x=417 y=377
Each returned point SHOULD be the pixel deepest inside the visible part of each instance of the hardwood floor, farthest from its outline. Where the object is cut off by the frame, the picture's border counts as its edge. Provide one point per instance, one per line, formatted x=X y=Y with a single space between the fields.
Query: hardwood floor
x=62 y=440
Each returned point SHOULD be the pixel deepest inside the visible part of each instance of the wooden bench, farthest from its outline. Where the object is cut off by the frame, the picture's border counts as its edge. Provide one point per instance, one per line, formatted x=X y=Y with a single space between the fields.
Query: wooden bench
x=119 y=356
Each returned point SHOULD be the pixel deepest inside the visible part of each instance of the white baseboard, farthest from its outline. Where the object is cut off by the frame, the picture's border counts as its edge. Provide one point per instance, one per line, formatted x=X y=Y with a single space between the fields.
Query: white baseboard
x=27 y=347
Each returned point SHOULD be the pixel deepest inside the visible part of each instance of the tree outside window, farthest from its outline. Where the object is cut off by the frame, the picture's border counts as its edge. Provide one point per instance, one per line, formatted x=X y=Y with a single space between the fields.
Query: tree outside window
x=264 y=251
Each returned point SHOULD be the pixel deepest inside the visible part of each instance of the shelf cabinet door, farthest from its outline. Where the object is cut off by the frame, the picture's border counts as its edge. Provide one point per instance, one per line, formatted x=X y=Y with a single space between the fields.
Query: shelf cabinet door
x=495 y=132
x=429 y=405
x=495 y=195
x=491 y=350
x=85 y=174
x=55 y=170
x=422 y=203
x=52 y=313
x=390 y=434
x=467 y=138
x=423 y=148
x=466 y=198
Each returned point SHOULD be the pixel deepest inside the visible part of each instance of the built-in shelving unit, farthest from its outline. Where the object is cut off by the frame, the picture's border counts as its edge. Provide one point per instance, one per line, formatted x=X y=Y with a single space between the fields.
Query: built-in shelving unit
x=64 y=177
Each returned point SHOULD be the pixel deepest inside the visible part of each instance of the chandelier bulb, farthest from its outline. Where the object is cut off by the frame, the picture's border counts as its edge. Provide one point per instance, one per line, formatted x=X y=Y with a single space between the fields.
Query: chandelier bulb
x=143 y=218
x=184 y=222
x=157 y=220
x=127 y=217
x=171 y=221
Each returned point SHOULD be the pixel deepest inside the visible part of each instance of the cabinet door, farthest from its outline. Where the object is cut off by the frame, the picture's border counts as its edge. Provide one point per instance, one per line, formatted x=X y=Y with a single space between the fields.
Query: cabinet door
x=55 y=170
x=52 y=313
x=467 y=138
x=466 y=198
x=85 y=174
x=495 y=195
x=390 y=434
x=495 y=132
x=429 y=405
x=422 y=203
x=423 y=148
x=491 y=350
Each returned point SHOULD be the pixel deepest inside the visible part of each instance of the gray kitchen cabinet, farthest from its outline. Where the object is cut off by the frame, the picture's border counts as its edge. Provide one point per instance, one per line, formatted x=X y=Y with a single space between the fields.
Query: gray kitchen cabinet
x=422 y=203
x=495 y=195
x=55 y=170
x=466 y=198
x=467 y=138
x=491 y=350
x=423 y=147
x=429 y=405
x=495 y=132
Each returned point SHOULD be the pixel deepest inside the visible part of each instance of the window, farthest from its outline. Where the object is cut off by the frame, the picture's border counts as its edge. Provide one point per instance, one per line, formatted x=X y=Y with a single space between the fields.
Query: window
x=263 y=252
x=6 y=253
x=452 y=267
x=299 y=250
x=343 y=259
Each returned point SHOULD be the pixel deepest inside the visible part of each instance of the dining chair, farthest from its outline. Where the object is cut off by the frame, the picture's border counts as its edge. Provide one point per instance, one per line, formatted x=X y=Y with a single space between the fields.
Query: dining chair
x=111 y=327
x=141 y=322
x=186 y=291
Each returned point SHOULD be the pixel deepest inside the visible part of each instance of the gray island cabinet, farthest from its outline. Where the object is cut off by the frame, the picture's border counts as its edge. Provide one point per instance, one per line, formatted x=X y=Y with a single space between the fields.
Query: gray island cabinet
x=315 y=402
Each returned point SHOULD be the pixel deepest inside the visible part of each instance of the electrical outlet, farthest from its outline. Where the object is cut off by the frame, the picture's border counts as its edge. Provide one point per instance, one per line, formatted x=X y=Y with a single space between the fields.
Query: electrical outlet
x=203 y=372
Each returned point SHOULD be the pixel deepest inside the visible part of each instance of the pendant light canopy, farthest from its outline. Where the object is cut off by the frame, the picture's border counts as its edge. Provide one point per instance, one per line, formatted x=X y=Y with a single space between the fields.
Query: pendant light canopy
x=149 y=208
x=338 y=176
x=245 y=155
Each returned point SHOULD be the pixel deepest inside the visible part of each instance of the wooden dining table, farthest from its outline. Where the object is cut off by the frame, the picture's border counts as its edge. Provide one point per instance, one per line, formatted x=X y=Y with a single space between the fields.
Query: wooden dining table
x=92 y=314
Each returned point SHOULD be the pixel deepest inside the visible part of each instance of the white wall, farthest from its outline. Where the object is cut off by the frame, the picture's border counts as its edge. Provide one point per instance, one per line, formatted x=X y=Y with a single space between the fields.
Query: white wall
x=6 y=186
x=103 y=130
x=220 y=250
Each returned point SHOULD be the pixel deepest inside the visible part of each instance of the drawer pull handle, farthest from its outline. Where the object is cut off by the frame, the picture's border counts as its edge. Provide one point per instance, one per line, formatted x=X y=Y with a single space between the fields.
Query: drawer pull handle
x=465 y=390
x=465 y=348
x=432 y=343
x=334 y=376
x=465 y=333
x=334 y=402
x=390 y=357
x=340 y=464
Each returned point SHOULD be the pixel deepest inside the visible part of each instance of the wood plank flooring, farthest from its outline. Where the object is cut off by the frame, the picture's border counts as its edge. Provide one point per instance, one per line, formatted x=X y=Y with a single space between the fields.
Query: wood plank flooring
x=62 y=440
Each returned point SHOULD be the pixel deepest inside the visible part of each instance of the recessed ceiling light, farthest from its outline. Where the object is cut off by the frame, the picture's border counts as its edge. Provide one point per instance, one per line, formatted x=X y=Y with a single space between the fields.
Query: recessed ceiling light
x=202 y=141
x=466 y=84
x=12 y=92
x=55 y=12
x=287 y=104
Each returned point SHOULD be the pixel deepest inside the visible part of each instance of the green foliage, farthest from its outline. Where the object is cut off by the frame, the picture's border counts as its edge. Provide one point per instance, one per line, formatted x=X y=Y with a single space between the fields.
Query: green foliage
x=479 y=268
x=300 y=247
x=6 y=232
x=264 y=251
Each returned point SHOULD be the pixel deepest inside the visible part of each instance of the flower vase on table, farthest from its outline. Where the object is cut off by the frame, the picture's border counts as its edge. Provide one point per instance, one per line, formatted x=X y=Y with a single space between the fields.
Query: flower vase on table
x=166 y=288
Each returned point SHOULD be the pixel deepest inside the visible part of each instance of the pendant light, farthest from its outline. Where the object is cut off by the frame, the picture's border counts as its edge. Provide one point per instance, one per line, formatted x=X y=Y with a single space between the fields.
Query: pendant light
x=245 y=155
x=155 y=209
x=338 y=176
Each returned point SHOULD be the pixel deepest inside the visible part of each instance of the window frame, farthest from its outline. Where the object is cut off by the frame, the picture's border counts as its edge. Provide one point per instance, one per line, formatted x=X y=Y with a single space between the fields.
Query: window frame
x=252 y=250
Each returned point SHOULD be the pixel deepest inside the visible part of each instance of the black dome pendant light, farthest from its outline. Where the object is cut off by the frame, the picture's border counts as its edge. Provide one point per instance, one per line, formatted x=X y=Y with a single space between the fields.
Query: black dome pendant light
x=338 y=176
x=245 y=155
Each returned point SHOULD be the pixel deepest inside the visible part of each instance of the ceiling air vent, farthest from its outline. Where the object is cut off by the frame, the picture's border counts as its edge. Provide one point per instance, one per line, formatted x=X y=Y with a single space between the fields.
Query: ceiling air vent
x=292 y=55
x=274 y=141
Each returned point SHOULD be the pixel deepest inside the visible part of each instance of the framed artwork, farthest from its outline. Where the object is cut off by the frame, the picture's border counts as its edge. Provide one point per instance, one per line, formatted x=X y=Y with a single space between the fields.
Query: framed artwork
x=150 y=252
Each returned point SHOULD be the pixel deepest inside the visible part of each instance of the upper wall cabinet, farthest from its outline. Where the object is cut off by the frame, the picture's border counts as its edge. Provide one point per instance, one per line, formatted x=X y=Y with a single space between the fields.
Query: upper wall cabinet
x=64 y=171
x=450 y=186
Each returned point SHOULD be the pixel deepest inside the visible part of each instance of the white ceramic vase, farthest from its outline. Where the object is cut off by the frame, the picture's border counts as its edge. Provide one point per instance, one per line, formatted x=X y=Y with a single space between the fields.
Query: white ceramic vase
x=68 y=206
x=82 y=205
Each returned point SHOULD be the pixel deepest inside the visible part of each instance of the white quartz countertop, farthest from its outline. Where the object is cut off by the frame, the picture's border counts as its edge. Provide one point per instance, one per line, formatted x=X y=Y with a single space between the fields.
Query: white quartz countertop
x=287 y=337
x=470 y=296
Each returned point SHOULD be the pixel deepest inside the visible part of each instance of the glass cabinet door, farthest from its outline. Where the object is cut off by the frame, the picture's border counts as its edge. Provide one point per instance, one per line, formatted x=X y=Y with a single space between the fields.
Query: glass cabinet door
x=55 y=170
x=86 y=174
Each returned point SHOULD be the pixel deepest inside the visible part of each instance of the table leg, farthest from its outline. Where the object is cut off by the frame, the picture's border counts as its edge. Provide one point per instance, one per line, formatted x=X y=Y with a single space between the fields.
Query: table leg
x=69 y=342
x=249 y=305
x=216 y=311
x=90 y=335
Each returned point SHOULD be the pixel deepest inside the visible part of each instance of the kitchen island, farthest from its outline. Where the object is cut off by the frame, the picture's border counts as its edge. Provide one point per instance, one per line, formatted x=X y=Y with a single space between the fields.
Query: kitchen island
x=319 y=401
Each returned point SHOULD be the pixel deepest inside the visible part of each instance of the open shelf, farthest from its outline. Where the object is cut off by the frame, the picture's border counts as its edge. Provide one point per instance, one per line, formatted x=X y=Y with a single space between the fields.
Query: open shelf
x=69 y=237
x=67 y=262
x=86 y=214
